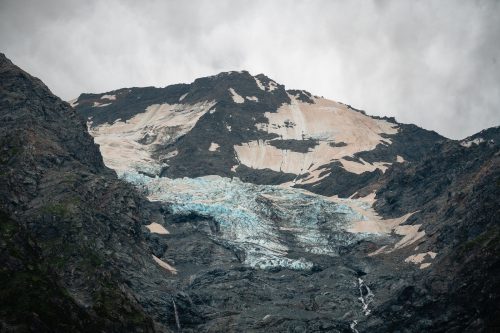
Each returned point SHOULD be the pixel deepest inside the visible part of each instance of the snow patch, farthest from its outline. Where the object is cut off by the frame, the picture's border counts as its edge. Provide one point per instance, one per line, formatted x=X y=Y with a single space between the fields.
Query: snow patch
x=272 y=85
x=470 y=143
x=73 y=102
x=100 y=105
x=259 y=84
x=252 y=98
x=109 y=97
x=164 y=265
x=372 y=223
x=363 y=166
x=214 y=147
x=182 y=97
x=128 y=145
x=236 y=98
x=324 y=121
x=420 y=257
x=157 y=228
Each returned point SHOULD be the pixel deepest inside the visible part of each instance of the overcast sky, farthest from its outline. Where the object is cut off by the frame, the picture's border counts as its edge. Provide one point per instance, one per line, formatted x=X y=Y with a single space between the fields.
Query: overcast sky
x=432 y=63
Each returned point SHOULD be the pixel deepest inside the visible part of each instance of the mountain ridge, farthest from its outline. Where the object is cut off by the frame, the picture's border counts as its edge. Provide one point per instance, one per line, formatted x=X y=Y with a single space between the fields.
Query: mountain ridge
x=268 y=114
x=140 y=252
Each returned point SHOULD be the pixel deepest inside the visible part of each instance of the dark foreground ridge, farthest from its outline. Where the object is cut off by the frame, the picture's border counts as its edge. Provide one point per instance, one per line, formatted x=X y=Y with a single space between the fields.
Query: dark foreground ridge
x=76 y=255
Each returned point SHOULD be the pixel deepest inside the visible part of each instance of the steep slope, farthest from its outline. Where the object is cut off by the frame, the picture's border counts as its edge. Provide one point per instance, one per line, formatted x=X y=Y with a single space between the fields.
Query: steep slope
x=434 y=210
x=71 y=234
x=236 y=124
x=414 y=249
x=456 y=190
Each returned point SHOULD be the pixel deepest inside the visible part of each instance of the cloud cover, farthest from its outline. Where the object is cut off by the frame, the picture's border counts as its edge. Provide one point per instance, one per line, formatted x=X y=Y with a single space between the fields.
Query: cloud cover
x=432 y=63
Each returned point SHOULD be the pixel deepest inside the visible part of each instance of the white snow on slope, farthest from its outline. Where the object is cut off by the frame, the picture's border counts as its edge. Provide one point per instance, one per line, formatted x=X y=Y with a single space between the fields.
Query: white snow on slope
x=73 y=102
x=372 y=223
x=420 y=257
x=157 y=228
x=470 y=143
x=252 y=98
x=128 y=145
x=270 y=87
x=236 y=98
x=326 y=121
x=164 y=265
x=259 y=84
x=214 y=147
x=109 y=97
x=100 y=105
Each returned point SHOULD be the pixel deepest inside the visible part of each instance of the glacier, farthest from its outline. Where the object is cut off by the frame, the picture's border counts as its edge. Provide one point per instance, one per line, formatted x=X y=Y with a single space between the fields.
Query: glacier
x=263 y=221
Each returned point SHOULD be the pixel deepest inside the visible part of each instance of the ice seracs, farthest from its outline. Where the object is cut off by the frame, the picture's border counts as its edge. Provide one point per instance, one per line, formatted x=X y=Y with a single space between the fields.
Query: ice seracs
x=256 y=218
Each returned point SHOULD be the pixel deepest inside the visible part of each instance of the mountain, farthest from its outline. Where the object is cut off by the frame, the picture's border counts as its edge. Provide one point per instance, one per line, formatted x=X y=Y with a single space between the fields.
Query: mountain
x=238 y=125
x=232 y=204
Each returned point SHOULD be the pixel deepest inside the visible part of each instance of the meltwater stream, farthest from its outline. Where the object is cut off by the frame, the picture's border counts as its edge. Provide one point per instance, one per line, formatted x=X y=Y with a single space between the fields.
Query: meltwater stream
x=264 y=221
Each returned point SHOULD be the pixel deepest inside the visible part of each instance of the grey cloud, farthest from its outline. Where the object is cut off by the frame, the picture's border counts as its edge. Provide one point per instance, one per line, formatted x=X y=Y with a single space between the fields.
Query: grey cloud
x=432 y=63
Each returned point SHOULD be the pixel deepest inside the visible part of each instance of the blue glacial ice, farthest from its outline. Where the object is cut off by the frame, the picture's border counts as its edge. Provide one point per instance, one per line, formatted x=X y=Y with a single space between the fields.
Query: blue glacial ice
x=265 y=221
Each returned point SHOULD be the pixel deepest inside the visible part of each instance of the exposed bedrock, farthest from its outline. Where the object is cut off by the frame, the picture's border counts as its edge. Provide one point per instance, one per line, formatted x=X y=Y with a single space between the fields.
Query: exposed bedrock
x=232 y=204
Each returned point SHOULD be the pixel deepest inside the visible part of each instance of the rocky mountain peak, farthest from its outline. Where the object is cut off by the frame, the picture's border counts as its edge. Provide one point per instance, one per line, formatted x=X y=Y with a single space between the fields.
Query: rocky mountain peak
x=238 y=205
x=236 y=124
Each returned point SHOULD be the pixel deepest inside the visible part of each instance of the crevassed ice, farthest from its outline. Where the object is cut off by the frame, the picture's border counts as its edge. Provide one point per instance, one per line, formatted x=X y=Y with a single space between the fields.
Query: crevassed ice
x=256 y=218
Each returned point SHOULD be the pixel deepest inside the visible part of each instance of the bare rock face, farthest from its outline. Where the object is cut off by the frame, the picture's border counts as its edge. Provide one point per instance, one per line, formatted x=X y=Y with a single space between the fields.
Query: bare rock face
x=67 y=223
x=232 y=204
